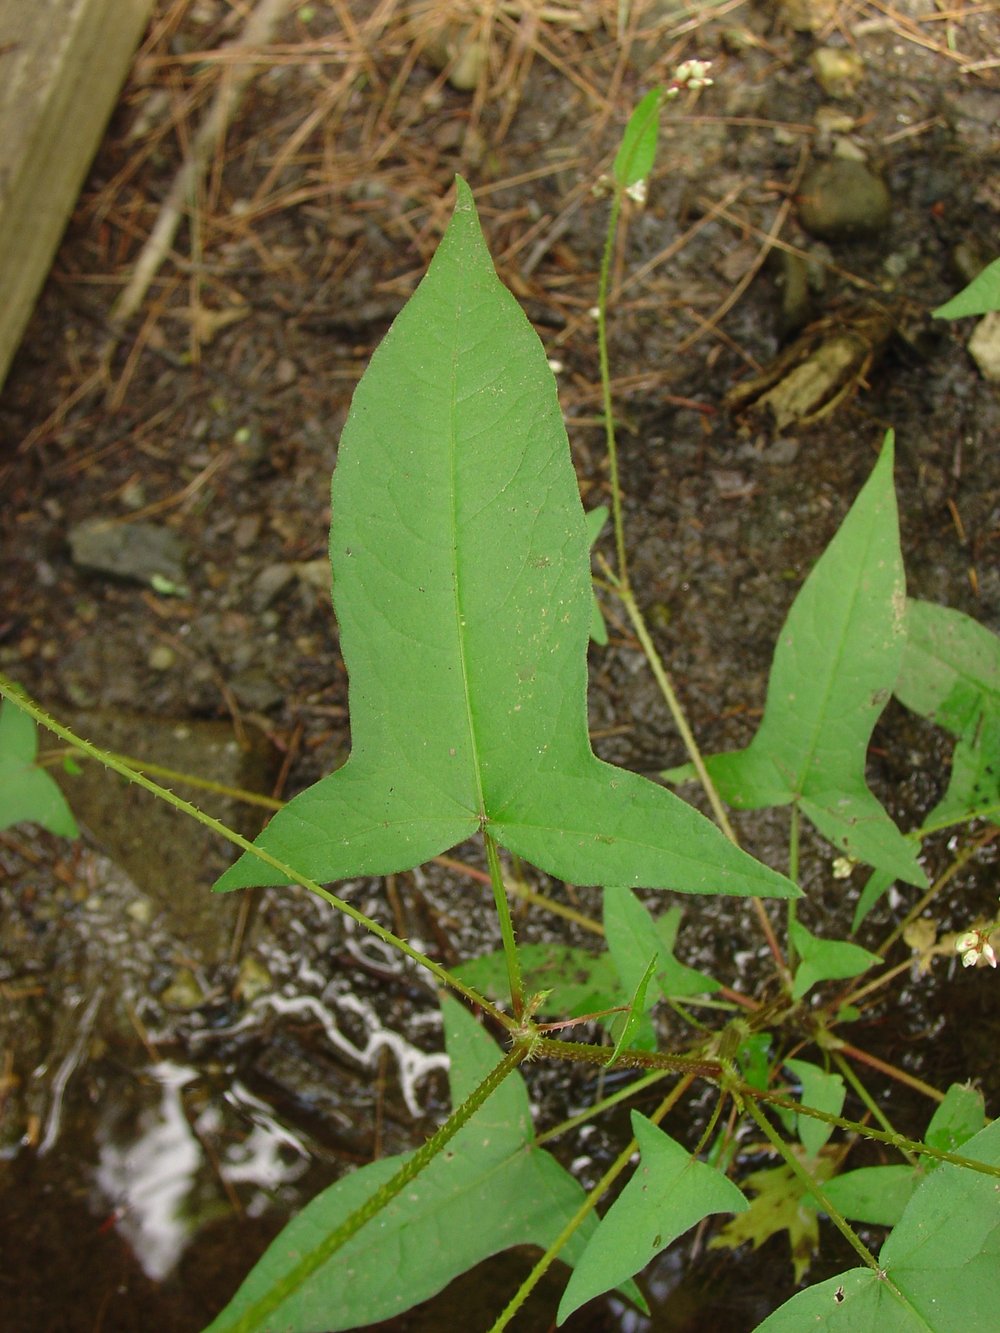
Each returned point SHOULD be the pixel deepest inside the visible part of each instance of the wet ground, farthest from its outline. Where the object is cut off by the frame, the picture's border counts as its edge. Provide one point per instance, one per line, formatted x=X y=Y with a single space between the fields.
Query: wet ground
x=177 y=1074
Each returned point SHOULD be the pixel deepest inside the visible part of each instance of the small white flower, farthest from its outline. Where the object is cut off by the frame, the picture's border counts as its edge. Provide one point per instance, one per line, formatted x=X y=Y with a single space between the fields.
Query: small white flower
x=693 y=74
x=842 y=867
x=973 y=946
x=639 y=191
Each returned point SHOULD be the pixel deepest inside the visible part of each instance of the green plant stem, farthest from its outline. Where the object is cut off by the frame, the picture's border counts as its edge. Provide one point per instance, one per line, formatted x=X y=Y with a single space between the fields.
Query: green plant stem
x=961 y=859
x=836 y=1217
x=629 y=1058
x=175 y=775
x=253 y=1318
x=607 y=405
x=554 y=1250
x=587 y=1207
x=126 y=770
x=898 y=1141
x=852 y=997
x=622 y=1095
x=506 y=927
x=709 y=1129
x=812 y=1186
x=529 y=895
x=623 y=588
x=891 y=1071
x=865 y=1096
x=794 y=829
x=663 y=680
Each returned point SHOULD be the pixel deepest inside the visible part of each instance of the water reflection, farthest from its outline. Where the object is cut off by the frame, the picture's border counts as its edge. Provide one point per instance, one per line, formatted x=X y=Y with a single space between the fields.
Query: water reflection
x=157 y=1178
x=148 y=1180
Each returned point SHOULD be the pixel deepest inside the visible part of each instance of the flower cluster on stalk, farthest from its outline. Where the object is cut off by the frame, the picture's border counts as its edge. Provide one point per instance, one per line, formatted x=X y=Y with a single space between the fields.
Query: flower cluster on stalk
x=975 y=947
x=691 y=75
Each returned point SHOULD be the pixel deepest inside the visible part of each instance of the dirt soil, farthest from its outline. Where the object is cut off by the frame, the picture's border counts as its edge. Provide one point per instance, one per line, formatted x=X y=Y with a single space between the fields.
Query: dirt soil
x=272 y=1044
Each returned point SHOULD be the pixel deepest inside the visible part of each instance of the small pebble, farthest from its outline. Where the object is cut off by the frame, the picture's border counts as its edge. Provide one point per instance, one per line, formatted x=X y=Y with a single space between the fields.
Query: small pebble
x=984 y=347
x=162 y=657
x=838 y=70
x=842 y=199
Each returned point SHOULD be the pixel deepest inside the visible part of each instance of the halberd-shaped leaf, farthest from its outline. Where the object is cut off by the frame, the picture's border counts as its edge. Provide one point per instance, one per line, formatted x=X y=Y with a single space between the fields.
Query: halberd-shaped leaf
x=462 y=588
x=951 y=675
x=937 y=1271
x=834 y=668
x=488 y=1190
x=669 y=1192
x=825 y=960
x=634 y=937
x=823 y=1092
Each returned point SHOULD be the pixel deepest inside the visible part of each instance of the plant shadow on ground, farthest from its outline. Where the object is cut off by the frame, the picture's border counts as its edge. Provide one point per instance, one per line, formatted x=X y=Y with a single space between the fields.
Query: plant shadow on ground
x=218 y=418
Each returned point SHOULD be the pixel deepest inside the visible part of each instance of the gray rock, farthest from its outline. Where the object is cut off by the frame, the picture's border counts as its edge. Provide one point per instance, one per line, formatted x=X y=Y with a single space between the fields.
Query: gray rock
x=984 y=346
x=137 y=552
x=270 y=583
x=256 y=690
x=843 y=199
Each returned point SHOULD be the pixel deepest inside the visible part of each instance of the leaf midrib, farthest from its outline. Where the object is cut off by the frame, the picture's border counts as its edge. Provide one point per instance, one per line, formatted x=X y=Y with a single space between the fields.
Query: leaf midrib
x=453 y=446
x=833 y=675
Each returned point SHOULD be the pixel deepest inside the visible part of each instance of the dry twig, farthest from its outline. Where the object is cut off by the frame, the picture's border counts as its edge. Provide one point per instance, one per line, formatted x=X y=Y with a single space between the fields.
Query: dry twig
x=257 y=32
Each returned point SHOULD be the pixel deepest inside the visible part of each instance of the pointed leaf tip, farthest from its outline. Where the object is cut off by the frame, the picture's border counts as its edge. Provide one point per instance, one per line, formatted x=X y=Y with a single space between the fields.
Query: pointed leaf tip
x=669 y=1192
x=834 y=667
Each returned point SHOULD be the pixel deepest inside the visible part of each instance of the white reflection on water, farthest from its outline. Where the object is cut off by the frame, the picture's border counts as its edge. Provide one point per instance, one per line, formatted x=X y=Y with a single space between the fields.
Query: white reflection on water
x=149 y=1178
x=156 y=1179
x=67 y=1068
x=413 y=1064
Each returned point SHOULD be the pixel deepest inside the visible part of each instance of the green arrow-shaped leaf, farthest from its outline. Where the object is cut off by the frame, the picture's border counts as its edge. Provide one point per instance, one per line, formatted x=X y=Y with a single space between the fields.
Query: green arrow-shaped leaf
x=834 y=668
x=669 y=1192
x=823 y=1092
x=629 y=1031
x=574 y=982
x=980 y=297
x=825 y=960
x=488 y=1190
x=937 y=1271
x=634 y=936
x=877 y=1195
x=27 y=792
x=461 y=585
x=951 y=675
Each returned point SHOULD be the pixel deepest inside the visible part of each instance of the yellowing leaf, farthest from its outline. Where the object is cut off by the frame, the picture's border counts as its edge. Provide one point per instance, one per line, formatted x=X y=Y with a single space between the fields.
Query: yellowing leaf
x=779 y=1204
